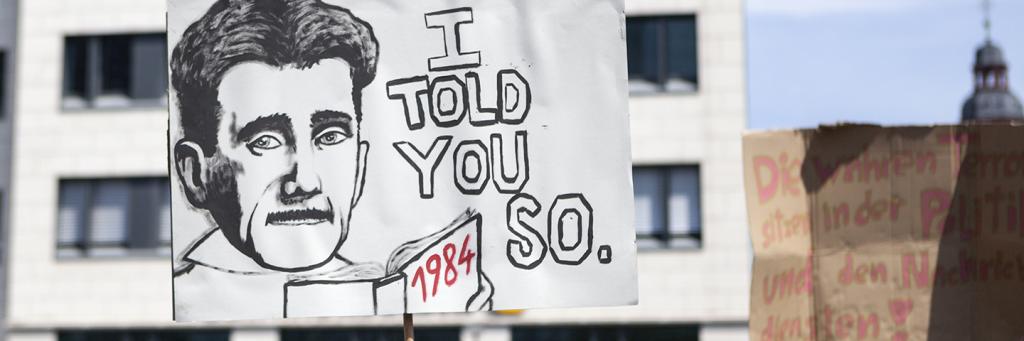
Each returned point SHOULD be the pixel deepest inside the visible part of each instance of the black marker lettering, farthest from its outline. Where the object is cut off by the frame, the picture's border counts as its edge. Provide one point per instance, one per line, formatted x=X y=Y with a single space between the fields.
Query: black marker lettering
x=514 y=97
x=499 y=166
x=409 y=90
x=422 y=162
x=450 y=22
x=572 y=209
x=448 y=95
x=466 y=179
x=529 y=249
x=479 y=116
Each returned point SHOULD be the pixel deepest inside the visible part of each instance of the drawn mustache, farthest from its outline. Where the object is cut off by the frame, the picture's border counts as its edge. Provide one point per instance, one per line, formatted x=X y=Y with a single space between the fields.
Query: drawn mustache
x=297 y=217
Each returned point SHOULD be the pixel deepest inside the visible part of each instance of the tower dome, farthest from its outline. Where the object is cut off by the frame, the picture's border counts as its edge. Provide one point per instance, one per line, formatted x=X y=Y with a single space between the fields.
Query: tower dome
x=989 y=55
x=992 y=99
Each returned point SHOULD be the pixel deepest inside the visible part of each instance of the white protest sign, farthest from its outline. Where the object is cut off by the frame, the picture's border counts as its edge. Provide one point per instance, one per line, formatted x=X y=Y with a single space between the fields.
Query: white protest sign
x=335 y=158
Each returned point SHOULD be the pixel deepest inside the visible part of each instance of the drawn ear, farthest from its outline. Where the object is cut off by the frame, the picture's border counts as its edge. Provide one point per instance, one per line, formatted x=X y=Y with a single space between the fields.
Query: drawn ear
x=364 y=148
x=190 y=162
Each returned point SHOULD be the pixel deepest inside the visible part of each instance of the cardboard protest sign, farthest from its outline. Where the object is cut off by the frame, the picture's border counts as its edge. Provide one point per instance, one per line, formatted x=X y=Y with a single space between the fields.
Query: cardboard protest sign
x=872 y=233
x=334 y=158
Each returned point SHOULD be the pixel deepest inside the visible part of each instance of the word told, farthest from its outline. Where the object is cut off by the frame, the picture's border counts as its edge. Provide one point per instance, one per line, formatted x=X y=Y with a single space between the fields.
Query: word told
x=449 y=99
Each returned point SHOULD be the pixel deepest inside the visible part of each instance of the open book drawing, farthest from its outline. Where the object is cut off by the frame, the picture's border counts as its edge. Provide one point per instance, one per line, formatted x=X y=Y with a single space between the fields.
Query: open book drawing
x=442 y=269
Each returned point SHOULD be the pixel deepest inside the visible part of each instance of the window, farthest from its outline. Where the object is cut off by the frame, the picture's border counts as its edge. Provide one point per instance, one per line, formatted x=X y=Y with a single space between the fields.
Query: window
x=369 y=334
x=115 y=71
x=143 y=335
x=622 y=333
x=114 y=217
x=667 y=203
x=662 y=53
x=3 y=83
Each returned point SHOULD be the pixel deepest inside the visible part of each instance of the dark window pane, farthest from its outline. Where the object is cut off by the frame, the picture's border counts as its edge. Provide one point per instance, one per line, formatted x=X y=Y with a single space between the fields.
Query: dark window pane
x=365 y=334
x=116 y=64
x=164 y=212
x=109 y=217
x=649 y=201
x=642 y=48
x=681 y=40
x=3 y=83
x=684 y=201
x=115 y=70
x=662 y=53
x=623 y=333
x=149 y=66
x=667 y=206
x=550 y=334
x=73 y=203
x=666 y=333
x=76 y=66
x=143 y=335
x=145 y=225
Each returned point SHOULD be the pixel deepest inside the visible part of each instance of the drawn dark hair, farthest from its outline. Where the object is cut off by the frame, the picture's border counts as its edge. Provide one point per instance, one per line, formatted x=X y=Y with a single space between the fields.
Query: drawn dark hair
x=278 y=33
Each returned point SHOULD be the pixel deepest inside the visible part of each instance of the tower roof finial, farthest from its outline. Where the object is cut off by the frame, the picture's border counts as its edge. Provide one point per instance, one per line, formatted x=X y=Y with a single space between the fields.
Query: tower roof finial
x=986 y=6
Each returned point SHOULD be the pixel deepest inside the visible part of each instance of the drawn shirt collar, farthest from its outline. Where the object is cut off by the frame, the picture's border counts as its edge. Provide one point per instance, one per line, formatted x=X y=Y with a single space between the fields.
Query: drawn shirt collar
x=213 y=250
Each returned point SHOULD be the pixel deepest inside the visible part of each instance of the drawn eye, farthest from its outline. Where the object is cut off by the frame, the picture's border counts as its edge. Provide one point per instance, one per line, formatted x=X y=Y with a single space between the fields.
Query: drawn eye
x=264 y=142
x=331 y=136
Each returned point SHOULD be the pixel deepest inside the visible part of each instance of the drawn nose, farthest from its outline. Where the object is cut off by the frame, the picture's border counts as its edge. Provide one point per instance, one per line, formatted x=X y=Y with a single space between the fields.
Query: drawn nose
x=301 y=183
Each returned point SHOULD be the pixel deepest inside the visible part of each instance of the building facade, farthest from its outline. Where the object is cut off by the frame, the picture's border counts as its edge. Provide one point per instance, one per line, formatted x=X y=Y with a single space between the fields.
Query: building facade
x=89 y=233
x=7 y=38
x=8 y=25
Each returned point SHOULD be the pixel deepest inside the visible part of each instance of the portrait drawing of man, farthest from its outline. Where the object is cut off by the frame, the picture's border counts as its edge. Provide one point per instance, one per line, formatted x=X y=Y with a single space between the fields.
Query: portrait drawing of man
x=269 y=96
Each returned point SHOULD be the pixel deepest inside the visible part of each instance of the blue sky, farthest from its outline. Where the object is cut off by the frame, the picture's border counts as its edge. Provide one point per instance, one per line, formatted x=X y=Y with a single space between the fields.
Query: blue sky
x=875 y=61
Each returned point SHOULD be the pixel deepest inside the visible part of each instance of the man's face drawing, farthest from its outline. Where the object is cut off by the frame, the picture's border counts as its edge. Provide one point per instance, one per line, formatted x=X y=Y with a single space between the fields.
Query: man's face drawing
x=289 y=138
x=268 y=93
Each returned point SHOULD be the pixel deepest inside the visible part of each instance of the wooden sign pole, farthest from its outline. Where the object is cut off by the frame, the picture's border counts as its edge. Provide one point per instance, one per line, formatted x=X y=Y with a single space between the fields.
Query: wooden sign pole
x=407 y=326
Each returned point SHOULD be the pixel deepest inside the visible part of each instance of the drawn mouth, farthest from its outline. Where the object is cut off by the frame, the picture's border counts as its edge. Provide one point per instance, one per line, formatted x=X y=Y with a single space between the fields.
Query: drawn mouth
x=309 y=216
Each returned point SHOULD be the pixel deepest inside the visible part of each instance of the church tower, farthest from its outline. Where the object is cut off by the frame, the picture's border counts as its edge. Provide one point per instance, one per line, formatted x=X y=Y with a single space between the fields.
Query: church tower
x=992 y=99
